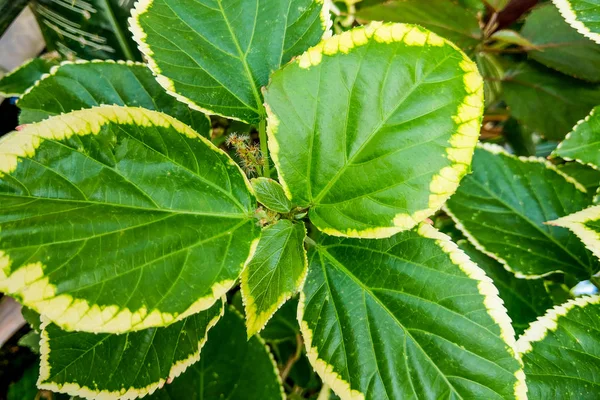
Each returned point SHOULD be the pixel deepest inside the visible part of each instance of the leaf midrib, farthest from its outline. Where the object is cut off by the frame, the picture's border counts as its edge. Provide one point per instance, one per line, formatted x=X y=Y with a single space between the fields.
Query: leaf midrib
x=117 y=31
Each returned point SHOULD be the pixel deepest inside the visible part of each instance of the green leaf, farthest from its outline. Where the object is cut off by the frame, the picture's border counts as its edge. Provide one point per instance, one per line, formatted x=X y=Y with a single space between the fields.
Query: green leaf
x=503 y=208
x=524 y=299
x=122 y=366
x=73 y=87
x=491 y=69
x=374 y=128
x=116 y=219
x=561 y=351
x=9 y=11
x=587 y=176
x=15 y=83
x=559 y=46
x=31 y=340
x=217 y=55
x=509 y=36
x=449 y=20
x=231 y=367
x=530 y=89
x=91 y=29
x=406 y=317
x=583 y=15
x=25 y=388
x=586 y=225
x=270 y=194
x=583 y=143
x=32 y=318
x=275 y=273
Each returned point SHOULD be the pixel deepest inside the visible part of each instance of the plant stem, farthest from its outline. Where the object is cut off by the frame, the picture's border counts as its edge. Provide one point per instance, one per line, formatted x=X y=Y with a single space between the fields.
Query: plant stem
x=264 y=149
x=292 y=360
x=324 y=393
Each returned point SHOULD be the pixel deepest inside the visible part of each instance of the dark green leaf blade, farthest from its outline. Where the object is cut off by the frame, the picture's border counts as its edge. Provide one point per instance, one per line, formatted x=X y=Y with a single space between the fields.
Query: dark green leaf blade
x=561 y=351
x=503 y=208
x=15 y=83
x=91 y=29
x=524 y=299
x=587 y=176
x=231 y=367
x=270 y=194
x=122 y=366
x=106 y=228
x=583 y=143
x=560 y=46
x=276 y=272
x=406 y=317
x=449 y=20
x=217 y=55
x=75 y=86
x=586 y=225
x=546 y=101
x=25 y=388
x=370 y=143
x=583 y=15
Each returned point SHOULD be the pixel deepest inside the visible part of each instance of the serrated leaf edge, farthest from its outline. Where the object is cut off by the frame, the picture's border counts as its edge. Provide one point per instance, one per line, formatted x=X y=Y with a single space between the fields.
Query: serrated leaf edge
x=462 y=142
x=139 y=36
x=576 y=223
x=538 y=329
x=556 y=152
x=493 y=303
x=74 y=389
x=569 y=15
x=29 y=282
x=255 y=322
x=495 y=149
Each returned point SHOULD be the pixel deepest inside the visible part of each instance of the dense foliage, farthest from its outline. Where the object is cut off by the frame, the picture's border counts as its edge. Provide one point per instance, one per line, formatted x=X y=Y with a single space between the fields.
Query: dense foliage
x=260 y=199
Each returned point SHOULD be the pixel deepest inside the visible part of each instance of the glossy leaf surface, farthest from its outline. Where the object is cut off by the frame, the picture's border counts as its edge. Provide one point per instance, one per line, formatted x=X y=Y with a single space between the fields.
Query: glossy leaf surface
x=560 y=46
x=230 y=367
x=449 y=20
x=524 y=299
x=586 y=225
x=122 y=366
x=275 y=273
x=216 y=55
x=73 y=87
x=406 y=317
x=561 y=351
x=583 y=143
x=15 y=83
x=116 y=219
x=546 y=101
x=503 y=207
x=270 y=194
x=583 y=15
x=87 y=29
x=587 y=176
x=374 y=128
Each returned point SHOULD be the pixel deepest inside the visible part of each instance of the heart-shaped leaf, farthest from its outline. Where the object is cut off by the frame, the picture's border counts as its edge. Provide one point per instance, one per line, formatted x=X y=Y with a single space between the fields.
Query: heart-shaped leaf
x=216 y=55
x=75 y=86
x=583 y=15
x=275 y=273
x=231 y=367
x=503 y=207
x=586 y=225
x=122 y=366
x=116 y=219
x=406 y=317
x=583 y=143
x=561 y=350
x=374 y=128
